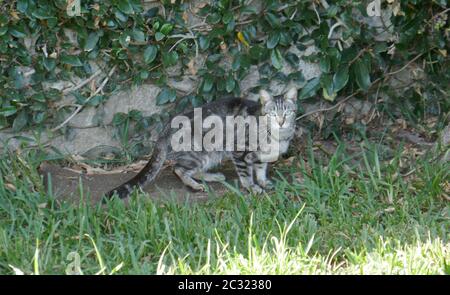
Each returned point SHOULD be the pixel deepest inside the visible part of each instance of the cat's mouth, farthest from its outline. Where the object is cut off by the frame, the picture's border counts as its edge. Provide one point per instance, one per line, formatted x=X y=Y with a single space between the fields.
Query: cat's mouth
x=283 y=127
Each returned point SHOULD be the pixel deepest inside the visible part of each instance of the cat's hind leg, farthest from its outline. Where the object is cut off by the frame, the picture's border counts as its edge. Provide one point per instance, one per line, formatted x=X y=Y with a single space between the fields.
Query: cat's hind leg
x=210 y=177
x=186 y=175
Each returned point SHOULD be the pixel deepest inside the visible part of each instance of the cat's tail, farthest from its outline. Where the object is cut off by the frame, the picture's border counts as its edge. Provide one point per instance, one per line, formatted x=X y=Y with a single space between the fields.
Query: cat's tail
x=147 y=174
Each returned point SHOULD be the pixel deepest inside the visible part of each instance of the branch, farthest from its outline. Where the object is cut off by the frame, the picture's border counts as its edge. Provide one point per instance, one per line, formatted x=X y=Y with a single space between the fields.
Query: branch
x=78 y=109
x=360 y=90
x=76 y=87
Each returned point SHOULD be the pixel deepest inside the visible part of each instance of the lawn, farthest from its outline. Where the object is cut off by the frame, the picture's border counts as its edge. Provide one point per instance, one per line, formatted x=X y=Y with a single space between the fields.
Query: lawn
x=356 y=213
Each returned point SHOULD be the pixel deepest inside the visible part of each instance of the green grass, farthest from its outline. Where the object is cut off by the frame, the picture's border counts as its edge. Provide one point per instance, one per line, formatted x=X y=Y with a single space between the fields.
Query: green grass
x=354 y=215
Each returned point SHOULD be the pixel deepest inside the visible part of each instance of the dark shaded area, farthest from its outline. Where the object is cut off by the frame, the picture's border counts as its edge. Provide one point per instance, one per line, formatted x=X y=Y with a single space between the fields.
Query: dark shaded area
x=66 y=184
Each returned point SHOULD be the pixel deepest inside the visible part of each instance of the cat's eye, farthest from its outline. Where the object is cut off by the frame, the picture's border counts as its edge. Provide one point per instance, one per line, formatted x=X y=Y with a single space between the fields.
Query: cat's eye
x=289 y=113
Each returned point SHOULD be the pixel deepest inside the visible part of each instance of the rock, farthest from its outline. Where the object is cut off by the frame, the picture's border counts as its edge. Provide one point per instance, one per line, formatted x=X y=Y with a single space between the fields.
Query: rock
x=382 y=24
x=445 y=141
x=309 y=70
x=185 y=85
x=84 y=140
x=446 y=136
x=142 y=98
x=9 y=140
x=358 y=108
x=250 y=81
x=85 y=119
x=58 y=85
x=71 y=35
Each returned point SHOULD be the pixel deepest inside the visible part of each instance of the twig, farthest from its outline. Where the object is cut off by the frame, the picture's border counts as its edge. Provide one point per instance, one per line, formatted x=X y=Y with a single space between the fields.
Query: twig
x=182 y=38
x=78 y=109
x=293 y=14
x=406 y=65
x=336 y=25
x=359 y=90
x=68 y=90
x=441 y=13
x=357 y=56
x=326 y=6
x=330 y=108
x=317 y=13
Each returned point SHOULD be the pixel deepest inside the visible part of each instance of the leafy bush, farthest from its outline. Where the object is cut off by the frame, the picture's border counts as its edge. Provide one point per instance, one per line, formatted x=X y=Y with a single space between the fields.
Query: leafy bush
x=36 y=47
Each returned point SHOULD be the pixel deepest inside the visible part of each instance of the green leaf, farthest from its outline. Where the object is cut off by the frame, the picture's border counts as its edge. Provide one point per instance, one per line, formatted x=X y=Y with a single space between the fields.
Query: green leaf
x=328 y=88
x=124 y=39
x=276 y=58
x=248 y=9
x=208 y=83
x=150 y=54
x=3 y=30
x=213 y=18
x=166 y=95
x=20 y=121
x=227 y=17
x=328 y=96
x=230 y=83
x=17 y=32
x=310 y=88
x=41 y=14
x=203 y=42
x=196 y=101
x=340 y=78
x=170 y=58
x=119 y=119
x=144 y=74
x=325 y=64
x=125 y=6
x=22 y=5
x=166 y=29
x=120 y=16
x=273 y=40
x=95 y=101
x=138 y=35
x=273 y=20
x=236 y=63
x=8 y=111
x=91 y=41
x=49 y=64
x=292 y=59
x=39 y=117
x=159 y=36
x=362 y=75
x=72 y=60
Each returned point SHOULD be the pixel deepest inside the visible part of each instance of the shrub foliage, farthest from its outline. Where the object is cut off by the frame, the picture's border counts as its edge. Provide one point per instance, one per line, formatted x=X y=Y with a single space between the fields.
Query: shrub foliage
x=38 y=45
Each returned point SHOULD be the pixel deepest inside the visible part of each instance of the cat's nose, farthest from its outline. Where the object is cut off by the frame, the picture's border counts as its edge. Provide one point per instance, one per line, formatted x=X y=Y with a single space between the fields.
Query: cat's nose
x=280 y=121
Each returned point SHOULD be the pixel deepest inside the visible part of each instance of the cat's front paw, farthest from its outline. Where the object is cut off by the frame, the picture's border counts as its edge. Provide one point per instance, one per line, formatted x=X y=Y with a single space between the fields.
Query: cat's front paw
x=267 y=184
x=200 y=188
x=256 y=189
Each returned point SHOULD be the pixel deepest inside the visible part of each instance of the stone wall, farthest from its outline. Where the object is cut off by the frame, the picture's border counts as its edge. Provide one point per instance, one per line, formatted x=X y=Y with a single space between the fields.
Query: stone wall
x=92 y=128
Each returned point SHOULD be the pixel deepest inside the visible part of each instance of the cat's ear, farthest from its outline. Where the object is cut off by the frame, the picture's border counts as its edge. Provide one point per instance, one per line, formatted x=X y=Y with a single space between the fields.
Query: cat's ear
x=291 y=94
x=264 y=96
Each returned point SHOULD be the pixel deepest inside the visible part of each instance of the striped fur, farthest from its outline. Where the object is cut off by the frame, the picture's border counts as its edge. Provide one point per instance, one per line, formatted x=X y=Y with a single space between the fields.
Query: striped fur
x=192 y=167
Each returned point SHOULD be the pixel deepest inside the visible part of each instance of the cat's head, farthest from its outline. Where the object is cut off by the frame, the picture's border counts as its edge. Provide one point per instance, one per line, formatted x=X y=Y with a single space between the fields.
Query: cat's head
x=281 y=108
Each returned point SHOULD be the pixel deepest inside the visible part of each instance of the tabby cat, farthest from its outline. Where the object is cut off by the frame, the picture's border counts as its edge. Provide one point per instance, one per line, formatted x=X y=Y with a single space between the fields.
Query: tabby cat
x=192 y=166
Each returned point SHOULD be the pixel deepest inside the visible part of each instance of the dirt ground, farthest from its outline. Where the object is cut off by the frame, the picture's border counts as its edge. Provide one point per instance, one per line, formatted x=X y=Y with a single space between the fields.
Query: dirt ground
x=66 y=184
x=95 y=182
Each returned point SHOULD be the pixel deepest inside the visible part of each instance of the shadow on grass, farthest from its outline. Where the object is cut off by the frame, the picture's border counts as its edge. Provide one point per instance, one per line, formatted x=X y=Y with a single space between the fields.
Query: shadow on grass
x=352 y=214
